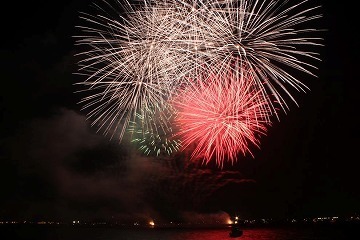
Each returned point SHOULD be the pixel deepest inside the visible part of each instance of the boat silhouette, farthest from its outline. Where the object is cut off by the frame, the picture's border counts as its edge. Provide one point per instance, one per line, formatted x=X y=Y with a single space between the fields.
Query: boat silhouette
x=235 y=231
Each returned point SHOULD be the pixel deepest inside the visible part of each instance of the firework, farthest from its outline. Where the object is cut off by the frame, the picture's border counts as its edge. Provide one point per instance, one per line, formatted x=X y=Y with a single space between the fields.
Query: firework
x=270 y=38
x=124 y=74
x=155 y=135
x=136 y=56
x=221 y=117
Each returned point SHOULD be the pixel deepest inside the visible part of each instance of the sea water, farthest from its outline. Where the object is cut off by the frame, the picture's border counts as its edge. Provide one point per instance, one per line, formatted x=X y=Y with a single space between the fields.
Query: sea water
x=258 y=233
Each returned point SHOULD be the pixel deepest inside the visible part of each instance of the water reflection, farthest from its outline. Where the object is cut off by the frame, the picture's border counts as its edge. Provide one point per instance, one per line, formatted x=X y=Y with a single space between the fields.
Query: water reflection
x=85 y=233
x=303 y=233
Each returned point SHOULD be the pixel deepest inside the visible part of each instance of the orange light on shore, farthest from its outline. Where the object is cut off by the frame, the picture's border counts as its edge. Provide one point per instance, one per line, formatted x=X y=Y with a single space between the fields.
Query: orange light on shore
x=152 y=223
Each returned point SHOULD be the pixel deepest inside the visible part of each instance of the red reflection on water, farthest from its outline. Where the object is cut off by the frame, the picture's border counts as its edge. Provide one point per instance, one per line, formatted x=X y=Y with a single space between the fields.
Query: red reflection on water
x=296 y=233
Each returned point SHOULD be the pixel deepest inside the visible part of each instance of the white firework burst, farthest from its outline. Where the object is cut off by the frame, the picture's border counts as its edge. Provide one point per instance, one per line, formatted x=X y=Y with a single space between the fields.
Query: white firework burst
x=122 y=66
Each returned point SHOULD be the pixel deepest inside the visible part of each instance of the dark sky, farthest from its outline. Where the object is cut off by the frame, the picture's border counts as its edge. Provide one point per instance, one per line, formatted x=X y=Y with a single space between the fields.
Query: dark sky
x=53 y=165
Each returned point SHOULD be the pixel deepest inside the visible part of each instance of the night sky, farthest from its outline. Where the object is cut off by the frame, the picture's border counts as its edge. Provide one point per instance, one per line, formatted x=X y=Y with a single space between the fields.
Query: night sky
x=54 y=165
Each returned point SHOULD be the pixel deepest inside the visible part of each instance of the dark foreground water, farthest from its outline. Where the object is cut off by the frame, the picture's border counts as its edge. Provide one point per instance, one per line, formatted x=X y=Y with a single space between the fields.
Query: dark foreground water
x=278 y=233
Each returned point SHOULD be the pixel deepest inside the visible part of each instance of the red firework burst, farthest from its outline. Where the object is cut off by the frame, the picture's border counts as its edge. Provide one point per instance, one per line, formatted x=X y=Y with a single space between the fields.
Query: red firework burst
x=221 y=114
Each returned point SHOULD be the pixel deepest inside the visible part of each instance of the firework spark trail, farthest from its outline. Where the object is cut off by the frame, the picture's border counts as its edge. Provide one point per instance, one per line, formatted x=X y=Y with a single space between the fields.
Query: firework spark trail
x=222 y=117
x=157 y=138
